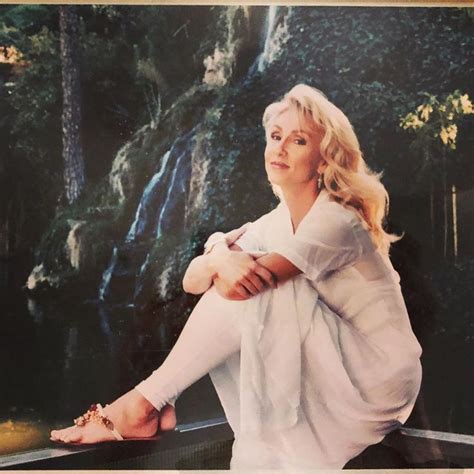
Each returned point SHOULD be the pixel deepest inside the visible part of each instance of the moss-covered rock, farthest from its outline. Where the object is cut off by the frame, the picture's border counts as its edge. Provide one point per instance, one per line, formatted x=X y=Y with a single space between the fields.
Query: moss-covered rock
x=39 y=279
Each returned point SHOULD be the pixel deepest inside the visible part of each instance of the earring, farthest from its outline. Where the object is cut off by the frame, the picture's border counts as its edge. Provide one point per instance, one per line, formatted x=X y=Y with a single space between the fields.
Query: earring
x=320 y=182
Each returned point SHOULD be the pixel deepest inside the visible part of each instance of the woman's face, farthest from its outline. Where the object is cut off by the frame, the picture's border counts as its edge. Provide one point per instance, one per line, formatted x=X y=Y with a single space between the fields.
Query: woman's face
x=292 y=157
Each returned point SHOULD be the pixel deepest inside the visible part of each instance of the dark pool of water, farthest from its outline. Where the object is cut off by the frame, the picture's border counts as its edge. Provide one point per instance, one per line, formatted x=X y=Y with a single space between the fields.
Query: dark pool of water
x=57 y=357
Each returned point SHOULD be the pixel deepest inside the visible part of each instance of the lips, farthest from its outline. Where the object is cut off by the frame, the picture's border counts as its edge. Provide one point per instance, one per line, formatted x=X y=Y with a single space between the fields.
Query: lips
x=279 y=165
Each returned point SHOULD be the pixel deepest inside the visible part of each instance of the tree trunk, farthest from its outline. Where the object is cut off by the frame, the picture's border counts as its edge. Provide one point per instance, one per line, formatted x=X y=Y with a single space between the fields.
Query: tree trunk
x=432 y=215
x=432 y=204
x=71 y=117
x=445 y=207
x=455 y=222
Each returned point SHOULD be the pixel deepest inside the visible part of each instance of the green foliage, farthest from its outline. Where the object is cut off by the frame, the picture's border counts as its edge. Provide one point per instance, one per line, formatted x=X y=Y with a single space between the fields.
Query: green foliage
x=37 y=109
x=17 y=22
x=376 y=63
x=435 y=123
x=30 y=163
x=123 y=72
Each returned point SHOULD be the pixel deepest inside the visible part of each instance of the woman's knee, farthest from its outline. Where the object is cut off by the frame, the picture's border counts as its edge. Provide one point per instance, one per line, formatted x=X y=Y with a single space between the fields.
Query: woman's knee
x=211 y=301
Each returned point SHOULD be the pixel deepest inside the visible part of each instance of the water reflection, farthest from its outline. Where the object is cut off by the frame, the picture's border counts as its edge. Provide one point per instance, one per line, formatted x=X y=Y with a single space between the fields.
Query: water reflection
x=106 y=329
x=3 y=275
x=35 y=310
x=71 y=348
x=60 y=355
x=164 y=334
x=21 y=435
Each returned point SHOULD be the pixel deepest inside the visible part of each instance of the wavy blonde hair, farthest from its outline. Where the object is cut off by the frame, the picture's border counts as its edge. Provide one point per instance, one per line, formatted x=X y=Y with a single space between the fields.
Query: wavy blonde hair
x=347 y=177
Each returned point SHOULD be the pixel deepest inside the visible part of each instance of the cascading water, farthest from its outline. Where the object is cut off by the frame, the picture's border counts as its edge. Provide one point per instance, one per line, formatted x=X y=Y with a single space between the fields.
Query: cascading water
x=161 y=209
x=104 y=286
x=171 y=214
x=270 y=27
x=162 y=206
x=138 y=284
x=176 y=196
x=154 y=187
x=274 y=37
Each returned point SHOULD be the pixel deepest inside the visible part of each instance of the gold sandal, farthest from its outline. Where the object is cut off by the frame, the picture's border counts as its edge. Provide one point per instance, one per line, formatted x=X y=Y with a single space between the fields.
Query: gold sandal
x=96 y=414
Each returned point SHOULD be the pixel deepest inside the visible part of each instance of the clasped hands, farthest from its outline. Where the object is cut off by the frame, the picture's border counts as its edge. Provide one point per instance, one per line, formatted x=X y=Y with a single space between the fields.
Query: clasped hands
x=238 y=275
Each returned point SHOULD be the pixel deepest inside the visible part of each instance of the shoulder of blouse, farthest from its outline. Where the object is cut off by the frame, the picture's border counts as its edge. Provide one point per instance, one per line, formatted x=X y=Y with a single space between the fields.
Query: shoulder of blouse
x=346 y=220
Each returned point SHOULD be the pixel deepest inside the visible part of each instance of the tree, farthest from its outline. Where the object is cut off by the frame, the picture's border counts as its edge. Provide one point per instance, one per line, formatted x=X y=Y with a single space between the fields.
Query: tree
x=435 y=127
x=74 y=178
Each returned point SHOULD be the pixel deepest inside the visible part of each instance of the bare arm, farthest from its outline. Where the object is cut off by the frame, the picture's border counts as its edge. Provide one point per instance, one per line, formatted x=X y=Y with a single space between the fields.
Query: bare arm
x=237 y=273
x=201 y=272
x=236 y=277
x=277 y=266
x=281 y=268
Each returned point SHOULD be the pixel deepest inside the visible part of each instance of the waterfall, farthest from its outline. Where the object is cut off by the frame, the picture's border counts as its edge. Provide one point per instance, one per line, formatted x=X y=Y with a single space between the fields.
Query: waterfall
x=104 y=286
x=267 y=48
x=138 y=281
x=177 y=191
x=173 y=198
x=149 y=196
x=161 y=210
x=275 y=36
x=106 y=329
x=171 y=215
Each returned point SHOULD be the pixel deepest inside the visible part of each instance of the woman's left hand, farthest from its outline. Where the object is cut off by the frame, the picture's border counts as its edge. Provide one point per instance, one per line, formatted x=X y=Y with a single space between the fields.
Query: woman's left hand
x=239 y=276
x=228 y=292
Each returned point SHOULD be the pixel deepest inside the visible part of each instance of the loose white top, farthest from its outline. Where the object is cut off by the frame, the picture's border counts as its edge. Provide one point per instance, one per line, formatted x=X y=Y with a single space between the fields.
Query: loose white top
x=330 y=345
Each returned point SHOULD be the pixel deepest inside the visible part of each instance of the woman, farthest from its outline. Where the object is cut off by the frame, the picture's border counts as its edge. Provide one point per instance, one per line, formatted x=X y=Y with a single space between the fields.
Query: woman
x=302 y=326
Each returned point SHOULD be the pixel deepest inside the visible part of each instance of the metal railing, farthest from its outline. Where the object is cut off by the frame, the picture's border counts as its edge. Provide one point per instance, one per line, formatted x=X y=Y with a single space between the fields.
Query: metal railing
x=207 y=445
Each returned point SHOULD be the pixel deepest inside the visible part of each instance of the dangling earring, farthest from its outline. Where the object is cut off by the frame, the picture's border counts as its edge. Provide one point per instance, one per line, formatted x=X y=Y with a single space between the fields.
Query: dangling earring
x=320 y=182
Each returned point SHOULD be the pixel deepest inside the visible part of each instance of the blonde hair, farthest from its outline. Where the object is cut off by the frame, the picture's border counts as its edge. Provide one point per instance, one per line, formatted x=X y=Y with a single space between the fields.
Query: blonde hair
x=347 y=177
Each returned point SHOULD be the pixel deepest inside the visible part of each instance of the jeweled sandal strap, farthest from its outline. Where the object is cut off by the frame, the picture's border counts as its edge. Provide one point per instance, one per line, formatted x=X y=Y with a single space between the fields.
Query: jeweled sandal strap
x=97 y=414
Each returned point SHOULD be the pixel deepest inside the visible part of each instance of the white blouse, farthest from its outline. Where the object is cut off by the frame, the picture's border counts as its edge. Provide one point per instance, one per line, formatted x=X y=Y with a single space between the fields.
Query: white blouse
x=332 y=344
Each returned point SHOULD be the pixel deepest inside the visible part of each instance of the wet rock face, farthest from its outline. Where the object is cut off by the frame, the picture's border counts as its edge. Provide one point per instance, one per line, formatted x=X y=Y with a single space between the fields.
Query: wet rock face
x=121 y=175
x=40 y=279
x=75 y=247
x=198 y=181
x=218 y=68
x=249 y=35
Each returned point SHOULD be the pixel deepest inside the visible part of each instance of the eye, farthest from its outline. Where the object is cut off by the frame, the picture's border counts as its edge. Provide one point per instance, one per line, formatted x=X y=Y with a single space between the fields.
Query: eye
x=300 y=141
x=275 y=136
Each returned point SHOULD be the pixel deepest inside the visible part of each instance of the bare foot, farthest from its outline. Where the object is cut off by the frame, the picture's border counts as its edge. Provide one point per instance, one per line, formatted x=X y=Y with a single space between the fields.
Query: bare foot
x=167 y=418
x=132 y=415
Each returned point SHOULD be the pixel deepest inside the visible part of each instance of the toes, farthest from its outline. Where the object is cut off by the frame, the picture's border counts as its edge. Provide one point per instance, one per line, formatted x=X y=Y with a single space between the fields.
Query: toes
x=57 y=435
x=63 y=435
x=73 y=438
x=66 y=439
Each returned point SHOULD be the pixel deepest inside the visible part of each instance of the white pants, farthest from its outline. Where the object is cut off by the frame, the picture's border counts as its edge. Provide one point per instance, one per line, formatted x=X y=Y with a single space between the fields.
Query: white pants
x=209 y=337
x=355 y=388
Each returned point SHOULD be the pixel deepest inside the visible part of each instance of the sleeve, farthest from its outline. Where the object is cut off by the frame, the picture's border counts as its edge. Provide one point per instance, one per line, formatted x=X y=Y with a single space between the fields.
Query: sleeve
x=250 y=237
x=329 y=239
x=253 y=237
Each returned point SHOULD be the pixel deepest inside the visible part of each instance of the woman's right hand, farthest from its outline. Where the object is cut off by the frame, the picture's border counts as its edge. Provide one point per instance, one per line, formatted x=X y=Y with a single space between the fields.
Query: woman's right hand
x=237 y=275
